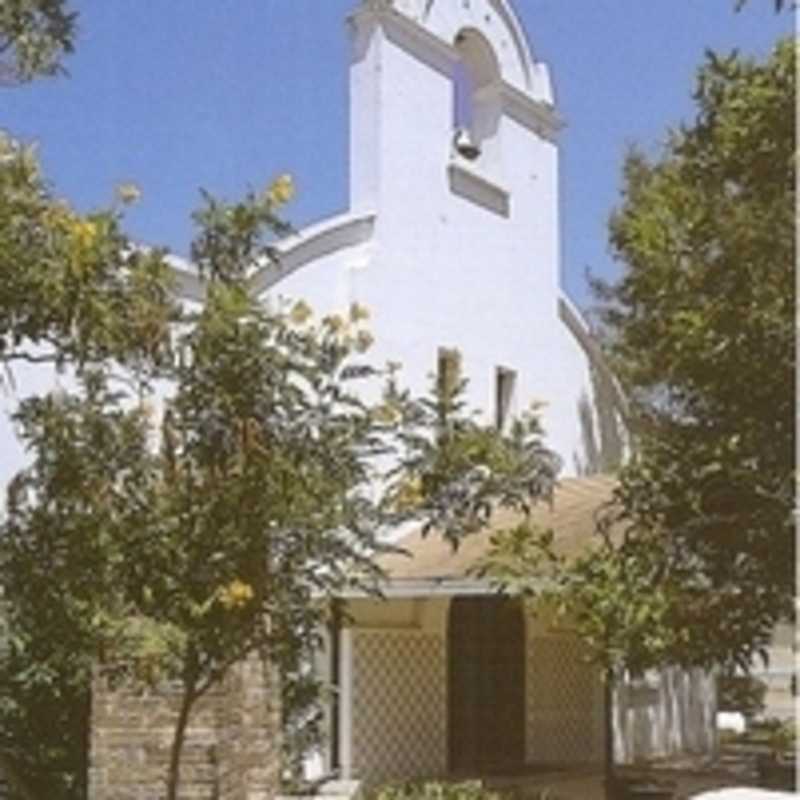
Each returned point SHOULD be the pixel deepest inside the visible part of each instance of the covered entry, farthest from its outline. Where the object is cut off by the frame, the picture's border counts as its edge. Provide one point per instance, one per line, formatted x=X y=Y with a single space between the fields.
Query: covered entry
x=486 y=684
x=443 y=676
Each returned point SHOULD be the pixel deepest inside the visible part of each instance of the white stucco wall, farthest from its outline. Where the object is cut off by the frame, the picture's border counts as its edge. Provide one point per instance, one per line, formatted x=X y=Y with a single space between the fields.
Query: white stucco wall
x=466 y=255
x=23 y=381
x=435 y=267
x=780 y=700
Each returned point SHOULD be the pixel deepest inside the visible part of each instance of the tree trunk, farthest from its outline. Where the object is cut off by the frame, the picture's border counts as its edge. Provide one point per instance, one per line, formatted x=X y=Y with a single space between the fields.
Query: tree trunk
x=611 y=791
x=178 y=739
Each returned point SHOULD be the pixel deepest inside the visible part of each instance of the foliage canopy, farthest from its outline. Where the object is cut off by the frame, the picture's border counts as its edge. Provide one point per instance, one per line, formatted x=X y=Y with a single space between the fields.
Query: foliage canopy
x=694 y=562
x=701 y=329
x=34 y=36
x=73 y=288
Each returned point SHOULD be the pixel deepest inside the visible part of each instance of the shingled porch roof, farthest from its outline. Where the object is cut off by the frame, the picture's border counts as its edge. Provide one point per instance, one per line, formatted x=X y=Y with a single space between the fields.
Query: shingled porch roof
x=572 y=517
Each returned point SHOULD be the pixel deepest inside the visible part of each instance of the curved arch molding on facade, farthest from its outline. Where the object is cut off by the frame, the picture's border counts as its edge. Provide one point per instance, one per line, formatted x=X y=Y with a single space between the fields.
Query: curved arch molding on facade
x=498 y=22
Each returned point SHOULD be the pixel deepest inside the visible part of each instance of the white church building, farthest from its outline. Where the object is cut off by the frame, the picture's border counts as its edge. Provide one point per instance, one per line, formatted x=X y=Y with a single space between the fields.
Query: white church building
x=451 y=240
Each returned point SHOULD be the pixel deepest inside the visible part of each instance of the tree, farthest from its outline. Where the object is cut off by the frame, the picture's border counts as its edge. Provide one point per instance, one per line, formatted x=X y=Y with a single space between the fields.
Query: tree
x=267 y=472
x=74 y=293
x=58 y=561
x=261 y=501
x=693 y=562
x=612 y=596
x=259 y=417
x=453 y=472
x=180 y=563
x=701 y=330
x=117 y=550
x=34 y=36
x=73 y=288
x=741 y=693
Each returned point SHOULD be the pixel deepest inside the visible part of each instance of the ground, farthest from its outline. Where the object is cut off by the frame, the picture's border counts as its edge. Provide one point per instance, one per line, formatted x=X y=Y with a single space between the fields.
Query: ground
x=734 y=767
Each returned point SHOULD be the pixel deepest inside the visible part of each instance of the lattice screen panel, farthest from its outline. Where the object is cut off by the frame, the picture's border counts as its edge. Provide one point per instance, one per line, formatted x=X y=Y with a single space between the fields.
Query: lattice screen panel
x=399 y=704
x=564 y=714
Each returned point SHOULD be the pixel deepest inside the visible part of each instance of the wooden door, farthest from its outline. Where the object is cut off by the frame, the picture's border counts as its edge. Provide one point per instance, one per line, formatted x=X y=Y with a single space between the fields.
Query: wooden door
x=486 y=685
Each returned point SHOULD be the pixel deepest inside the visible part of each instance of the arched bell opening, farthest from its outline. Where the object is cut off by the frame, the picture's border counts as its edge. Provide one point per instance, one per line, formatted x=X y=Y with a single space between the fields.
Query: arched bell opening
x=476 y=98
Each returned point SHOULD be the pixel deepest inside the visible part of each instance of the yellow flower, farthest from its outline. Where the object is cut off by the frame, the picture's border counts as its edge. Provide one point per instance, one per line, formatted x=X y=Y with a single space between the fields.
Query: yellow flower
x=364 y=340
x=335 y=323
x=385 y=414
x=84 y=234
x=409 y=495
x=128 y=193
x=301 y=312
x=281 y=190
x=235 y=595
x=358 y=312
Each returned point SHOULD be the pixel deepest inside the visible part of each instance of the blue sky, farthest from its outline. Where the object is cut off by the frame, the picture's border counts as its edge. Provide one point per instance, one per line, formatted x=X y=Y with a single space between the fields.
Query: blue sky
x=224 y=94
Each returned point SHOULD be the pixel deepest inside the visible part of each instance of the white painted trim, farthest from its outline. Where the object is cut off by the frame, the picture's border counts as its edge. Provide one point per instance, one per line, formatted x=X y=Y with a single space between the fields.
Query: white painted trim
x=326 y=678
x=509 y=18
x=295 y=251
x=410 y=35
x=521 y=43
x=188 y=284
x=468 y=182
x=442 y=56
x=577 y=326
x=532 y=114
x=314 y=242
x=346 y=703
x=400 y=589
x=773 y=672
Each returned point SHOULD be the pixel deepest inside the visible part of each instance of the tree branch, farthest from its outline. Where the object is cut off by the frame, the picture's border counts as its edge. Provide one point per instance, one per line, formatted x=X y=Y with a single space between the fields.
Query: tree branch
x=29 y=358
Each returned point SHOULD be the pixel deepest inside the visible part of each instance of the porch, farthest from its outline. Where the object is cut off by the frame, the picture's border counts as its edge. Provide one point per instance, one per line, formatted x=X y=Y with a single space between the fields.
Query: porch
x=461 y=686
x=444 y=679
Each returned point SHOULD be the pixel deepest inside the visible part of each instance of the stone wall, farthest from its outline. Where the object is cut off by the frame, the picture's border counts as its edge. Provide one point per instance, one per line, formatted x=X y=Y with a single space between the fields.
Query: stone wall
x=231 y=752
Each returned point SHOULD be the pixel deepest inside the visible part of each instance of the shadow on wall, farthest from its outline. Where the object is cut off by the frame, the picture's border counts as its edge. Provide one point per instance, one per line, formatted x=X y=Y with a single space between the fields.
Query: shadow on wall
x=602 y=431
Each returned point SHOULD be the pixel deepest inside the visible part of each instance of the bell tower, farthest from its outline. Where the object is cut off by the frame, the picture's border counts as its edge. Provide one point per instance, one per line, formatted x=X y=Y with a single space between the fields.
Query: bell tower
x=448 y=87
x=453 y=150
x=452 y=234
